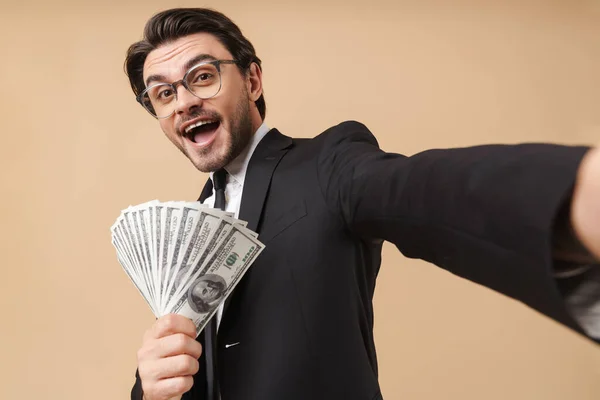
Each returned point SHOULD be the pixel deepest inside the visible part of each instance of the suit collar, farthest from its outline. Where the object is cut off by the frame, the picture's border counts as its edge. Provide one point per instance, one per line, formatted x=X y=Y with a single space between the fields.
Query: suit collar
x=261 y=166
x=258 y=176
x=274 y=141
x=236 y=169
x=206 y=191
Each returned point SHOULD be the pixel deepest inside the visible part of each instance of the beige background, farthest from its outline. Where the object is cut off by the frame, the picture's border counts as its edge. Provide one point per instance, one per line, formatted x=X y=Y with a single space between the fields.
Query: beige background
x=76 y=149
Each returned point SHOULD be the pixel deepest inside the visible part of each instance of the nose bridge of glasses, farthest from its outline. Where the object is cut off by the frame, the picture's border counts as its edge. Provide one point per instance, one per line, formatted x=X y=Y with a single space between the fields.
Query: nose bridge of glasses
x=178 y=85
x=184 y=94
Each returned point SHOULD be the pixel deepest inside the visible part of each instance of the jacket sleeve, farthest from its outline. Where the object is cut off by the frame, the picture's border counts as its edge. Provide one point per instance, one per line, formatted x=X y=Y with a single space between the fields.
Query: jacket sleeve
x=484 y=213
x=136 y=390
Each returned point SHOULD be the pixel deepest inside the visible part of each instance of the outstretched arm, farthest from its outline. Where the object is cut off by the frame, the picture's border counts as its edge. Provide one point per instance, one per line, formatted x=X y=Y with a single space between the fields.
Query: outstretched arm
x=485 y=213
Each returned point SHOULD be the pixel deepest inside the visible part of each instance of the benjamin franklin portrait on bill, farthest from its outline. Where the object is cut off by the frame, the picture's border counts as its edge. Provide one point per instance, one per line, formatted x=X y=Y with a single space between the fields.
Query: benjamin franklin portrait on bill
x=206 y=292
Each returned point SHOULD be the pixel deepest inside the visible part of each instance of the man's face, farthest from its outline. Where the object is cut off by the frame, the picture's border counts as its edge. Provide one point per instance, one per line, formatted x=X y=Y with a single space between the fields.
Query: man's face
x=205 y=291
x=228 y=121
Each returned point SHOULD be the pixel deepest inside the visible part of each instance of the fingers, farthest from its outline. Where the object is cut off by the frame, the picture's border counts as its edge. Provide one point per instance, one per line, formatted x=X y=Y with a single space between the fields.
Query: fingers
x=168 y=358
x=170 y=367
x=170 y=324
x=168 y=346
x=168 y=389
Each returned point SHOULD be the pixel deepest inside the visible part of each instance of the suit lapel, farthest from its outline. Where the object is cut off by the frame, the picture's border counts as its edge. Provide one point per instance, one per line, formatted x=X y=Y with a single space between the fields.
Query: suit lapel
x=257 y=181
x=206 y=191
x=260 y=170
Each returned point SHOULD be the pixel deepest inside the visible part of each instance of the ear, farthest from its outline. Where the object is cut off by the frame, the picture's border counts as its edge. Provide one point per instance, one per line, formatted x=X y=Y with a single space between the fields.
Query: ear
x=254 y=82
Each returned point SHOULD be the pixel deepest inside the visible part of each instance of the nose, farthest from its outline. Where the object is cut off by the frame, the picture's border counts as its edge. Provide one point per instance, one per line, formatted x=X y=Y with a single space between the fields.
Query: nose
x=186 y=101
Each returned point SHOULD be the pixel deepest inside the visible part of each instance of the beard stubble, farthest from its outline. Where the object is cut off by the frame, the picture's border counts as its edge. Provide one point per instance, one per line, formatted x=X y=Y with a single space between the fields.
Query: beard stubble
x=240 y=132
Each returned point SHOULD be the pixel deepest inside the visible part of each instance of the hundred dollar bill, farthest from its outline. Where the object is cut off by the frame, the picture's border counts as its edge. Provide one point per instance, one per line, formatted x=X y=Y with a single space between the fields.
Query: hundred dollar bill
x=133 y=230
x=140 y=288
x=149 y=222
x=126 y=233
x=218 y=276
x=187 y=219
x=140 y=231
x=169 y=217
x=151 y=218
x=145 y=218
x=158 y=240
x=218 y=224
x=167 y=248
x=127 y=263
x=201 y=231
x=219 y=233
x=177 y=226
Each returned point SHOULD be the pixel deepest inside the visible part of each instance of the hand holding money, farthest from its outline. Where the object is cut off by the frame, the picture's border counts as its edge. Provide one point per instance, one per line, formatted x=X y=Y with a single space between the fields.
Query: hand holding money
x=183 y=257
x=168 y=358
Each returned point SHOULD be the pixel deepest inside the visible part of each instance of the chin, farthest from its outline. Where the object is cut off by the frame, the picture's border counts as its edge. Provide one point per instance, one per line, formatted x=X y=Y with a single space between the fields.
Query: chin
x=208 y=164
x=208 y=159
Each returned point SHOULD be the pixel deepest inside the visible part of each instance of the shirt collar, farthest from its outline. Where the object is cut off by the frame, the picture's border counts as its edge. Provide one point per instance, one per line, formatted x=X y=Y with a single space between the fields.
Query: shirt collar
x=236 y=169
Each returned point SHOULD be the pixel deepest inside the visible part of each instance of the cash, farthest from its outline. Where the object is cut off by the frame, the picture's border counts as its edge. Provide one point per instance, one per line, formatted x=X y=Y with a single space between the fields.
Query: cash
x=183 y=257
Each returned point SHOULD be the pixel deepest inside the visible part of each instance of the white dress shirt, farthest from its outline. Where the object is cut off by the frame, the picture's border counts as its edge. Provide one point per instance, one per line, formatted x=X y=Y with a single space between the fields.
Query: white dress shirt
x=236 y=173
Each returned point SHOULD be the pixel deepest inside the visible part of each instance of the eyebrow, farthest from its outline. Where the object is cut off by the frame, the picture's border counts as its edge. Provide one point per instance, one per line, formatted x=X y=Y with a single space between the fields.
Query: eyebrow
x=189 y=64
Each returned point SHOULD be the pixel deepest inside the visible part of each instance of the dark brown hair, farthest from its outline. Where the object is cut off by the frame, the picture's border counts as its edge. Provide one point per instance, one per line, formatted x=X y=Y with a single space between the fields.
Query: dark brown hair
x=175 y=23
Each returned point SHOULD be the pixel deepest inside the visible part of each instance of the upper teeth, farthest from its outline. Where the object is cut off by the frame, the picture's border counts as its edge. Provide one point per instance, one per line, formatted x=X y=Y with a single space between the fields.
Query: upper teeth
x=197 y=124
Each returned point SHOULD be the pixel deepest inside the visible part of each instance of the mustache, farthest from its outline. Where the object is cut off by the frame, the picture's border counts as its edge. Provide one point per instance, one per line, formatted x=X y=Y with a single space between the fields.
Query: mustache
x=198 y=114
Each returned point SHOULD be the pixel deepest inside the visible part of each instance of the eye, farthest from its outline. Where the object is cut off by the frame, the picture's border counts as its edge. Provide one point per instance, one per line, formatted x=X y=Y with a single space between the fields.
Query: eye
x=203 y=77
x=165 y=93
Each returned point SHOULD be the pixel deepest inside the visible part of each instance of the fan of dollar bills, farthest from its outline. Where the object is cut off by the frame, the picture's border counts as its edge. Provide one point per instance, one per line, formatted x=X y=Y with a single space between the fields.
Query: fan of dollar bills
x=183 y=257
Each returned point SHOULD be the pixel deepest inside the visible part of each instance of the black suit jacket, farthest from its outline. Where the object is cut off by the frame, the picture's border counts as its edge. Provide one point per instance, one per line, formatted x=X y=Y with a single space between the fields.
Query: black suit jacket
x=303 y=314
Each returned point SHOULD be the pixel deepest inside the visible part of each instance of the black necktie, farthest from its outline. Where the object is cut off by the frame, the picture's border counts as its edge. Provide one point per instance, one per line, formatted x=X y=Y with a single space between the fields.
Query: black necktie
x=210 y=331
x=219 y=180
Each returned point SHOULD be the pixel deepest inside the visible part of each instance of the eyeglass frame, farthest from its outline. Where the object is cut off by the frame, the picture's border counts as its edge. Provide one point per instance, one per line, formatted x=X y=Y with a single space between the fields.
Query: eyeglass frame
x=182 y=82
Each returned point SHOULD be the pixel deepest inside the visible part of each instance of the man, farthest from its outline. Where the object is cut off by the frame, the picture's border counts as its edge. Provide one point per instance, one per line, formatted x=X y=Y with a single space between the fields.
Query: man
x=300 y=323
x=205 y=292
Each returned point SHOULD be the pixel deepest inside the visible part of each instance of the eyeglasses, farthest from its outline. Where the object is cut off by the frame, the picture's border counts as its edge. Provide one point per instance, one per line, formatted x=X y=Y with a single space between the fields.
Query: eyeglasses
x=202 y=80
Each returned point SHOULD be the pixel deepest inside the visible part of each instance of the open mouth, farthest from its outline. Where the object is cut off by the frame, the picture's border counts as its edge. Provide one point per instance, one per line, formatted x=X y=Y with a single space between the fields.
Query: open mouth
x=202 y=132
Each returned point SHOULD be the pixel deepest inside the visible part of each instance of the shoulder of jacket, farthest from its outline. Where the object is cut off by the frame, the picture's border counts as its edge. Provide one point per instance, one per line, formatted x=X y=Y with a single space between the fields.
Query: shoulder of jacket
x=342 y=133
x=345 y=132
